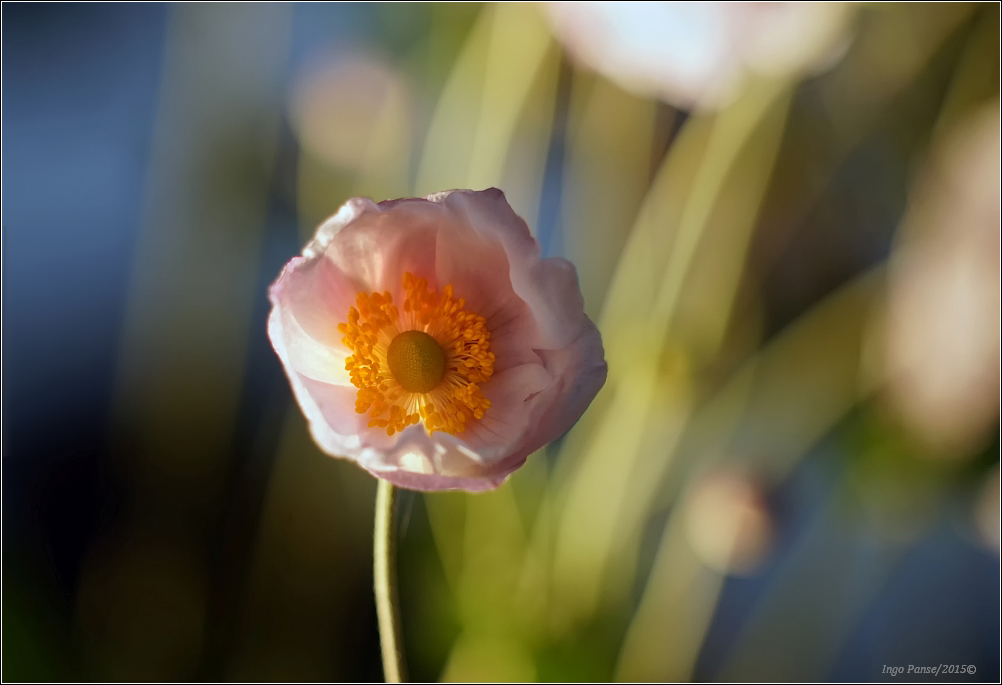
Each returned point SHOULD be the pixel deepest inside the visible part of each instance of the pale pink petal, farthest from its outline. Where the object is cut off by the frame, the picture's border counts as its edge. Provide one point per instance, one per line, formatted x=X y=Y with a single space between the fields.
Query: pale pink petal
x=571 y=379
x=548 y=287
x=478 y=451
x=311 y=358
x=336 y=404
x=508 y=342
x=439 y=462
x=534 y=404
x=511 y=393
x=317 y=295
x=377 y=248
x=579 y=371
x=330 y=440
x=479 y=272
x=307 y=298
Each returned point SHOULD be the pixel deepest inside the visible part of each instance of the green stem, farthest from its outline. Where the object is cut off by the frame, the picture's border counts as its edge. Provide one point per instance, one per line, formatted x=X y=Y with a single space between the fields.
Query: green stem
x=385 y=583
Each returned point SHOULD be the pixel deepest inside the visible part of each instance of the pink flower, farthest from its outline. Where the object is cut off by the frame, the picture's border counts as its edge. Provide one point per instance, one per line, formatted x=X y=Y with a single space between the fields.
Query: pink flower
x=428 y=341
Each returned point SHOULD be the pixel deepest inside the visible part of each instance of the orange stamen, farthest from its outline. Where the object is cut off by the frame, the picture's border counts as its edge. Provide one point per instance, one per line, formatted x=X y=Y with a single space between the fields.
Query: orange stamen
x=463 y=336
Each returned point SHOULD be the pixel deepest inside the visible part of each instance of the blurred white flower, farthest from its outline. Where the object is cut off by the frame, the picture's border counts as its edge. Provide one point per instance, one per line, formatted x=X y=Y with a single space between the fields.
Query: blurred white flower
x=728 y=523
x=697 y=54
x=942 y=351
x=346 y=109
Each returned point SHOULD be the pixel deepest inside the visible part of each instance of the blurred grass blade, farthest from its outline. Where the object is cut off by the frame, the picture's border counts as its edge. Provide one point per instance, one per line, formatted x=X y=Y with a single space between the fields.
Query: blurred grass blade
x=506 y=70
x=623 y=447
x=606 y=175
x=668 y=627
x=144 y=594
x=797 y=387
x=491 y=127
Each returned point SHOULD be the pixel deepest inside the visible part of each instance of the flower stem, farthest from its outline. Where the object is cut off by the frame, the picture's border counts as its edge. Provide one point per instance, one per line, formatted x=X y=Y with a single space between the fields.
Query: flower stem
x=385 y=583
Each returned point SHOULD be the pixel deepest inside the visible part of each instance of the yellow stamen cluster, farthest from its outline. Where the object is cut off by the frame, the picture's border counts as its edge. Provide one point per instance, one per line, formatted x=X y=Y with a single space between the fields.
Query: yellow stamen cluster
x=375 y=322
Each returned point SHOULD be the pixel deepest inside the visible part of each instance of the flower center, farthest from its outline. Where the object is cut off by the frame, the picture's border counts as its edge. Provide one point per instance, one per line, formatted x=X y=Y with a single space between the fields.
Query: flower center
x=416 y=360
x=424 y=364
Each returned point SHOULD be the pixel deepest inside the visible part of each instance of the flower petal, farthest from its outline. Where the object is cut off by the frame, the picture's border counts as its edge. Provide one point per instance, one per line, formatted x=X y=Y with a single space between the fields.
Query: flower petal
x=324 y=430
x=306 y=299
x=579 y=371
x=534 y=403
x=548 y=287
x=377 y=248
x=479 y=457
x=315 y=294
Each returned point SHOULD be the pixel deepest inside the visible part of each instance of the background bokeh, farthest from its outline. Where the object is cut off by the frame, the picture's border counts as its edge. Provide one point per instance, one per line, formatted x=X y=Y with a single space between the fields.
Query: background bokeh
x=792 y=473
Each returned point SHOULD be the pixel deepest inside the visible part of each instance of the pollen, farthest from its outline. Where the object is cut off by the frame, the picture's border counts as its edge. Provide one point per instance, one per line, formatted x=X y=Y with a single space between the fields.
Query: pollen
x=425 y=364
